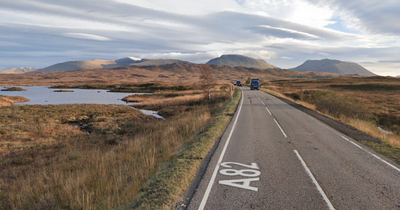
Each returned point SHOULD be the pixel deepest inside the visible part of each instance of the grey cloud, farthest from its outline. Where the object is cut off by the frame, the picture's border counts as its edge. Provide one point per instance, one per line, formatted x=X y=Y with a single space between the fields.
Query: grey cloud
x=376 y=16
x=253 y=22
x=282 y=33
x=389 y=61
x=147 y=32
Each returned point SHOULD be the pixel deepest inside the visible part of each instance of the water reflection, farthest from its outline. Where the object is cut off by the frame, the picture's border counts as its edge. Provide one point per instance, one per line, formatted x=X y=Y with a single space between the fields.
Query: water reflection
x=42 y=95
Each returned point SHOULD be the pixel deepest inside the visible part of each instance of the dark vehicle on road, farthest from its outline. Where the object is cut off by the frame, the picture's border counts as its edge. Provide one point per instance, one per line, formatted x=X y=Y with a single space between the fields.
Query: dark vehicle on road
x=255 y=84
x=237 y=82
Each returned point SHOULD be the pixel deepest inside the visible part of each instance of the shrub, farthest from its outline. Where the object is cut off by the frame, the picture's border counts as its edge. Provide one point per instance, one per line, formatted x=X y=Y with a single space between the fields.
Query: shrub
x=334 y=104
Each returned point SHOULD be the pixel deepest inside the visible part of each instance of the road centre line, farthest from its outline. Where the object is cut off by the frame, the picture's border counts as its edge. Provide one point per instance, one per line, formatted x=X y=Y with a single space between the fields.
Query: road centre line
x=320 y=190
x=355 y=144
x=263 y=103
x=268 y=111
x=280 y=128
x=208 y=190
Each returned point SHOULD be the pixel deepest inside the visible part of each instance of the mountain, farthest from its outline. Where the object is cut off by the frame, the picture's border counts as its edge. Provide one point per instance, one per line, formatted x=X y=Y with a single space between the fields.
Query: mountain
x=18 y=70
x=333 y=66
x=156 y=61
x=76 y=65
x=398 y=76
x=183 y=72
x=105 y=64
x=240 y=60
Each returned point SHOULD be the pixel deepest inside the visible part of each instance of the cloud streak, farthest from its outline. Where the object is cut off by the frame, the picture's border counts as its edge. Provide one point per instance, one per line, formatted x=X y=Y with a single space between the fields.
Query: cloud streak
x=39 y=33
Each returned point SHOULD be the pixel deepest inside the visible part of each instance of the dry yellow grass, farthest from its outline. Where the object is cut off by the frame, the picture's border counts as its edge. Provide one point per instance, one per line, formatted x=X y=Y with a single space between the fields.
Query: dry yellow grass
x=371 y=129
x=91 y=156
x=377 y=98
x=10 y=100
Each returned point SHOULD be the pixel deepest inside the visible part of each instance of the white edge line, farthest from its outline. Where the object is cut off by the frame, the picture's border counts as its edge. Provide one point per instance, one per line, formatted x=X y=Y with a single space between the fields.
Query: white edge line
x=326 y=199
x=360 y=147
x=208 y=190
x=377 y=157
x=283 y=132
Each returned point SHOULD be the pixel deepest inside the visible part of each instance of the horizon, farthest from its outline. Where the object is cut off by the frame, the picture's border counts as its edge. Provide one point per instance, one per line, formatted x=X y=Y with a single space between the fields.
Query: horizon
x=140 y=59
x=40 y=33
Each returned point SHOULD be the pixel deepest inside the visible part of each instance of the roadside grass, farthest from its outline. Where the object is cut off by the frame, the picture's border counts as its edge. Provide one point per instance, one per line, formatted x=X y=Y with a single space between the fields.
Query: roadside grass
x=364 y=103
x=164 y=189
x=100 y=156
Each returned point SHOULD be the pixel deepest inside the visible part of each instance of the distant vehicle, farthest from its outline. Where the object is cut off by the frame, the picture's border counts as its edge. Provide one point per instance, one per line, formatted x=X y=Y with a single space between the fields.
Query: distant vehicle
x=255 y=84
x=237 y=82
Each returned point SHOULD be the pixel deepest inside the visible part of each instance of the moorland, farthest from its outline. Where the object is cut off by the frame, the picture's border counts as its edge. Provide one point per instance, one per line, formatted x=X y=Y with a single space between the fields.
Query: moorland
x=177 y=73
x=101 y=156
x=113 y=156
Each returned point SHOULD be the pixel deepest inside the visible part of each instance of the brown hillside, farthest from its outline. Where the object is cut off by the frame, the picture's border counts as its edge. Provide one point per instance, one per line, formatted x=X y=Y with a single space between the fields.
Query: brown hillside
x=175 y=73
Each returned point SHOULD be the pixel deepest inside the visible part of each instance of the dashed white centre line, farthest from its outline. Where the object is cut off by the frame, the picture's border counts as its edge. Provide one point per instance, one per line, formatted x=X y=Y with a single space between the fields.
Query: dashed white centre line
x=280 y=128
x=268 y=111
x=326 y=199
x=263 y=103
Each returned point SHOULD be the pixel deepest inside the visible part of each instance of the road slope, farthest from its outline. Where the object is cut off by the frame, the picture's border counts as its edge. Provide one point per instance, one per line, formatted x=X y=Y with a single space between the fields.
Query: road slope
x=273 y=156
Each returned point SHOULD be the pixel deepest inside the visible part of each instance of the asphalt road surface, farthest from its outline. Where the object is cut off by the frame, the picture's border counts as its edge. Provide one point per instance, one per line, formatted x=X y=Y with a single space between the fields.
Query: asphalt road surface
x=273 y=156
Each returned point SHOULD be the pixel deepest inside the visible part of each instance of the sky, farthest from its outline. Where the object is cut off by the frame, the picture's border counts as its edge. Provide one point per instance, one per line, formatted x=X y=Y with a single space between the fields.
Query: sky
x=285 y=33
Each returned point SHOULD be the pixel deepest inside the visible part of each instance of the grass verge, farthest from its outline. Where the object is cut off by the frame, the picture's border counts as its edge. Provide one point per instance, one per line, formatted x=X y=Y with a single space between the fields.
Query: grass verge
x=95 y=156
x=363 y=103
x=162 y=191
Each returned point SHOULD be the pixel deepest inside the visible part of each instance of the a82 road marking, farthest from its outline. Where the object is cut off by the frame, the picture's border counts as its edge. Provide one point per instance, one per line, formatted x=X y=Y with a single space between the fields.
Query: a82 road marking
x=240 y=183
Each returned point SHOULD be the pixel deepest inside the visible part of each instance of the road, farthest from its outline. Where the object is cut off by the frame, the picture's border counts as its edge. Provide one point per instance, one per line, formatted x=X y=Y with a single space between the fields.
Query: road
x=273 y=156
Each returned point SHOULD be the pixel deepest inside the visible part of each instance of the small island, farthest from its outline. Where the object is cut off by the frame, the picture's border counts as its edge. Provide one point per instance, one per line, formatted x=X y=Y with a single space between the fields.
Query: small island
x=63 y=91
x=10 y=100
x=13 y=89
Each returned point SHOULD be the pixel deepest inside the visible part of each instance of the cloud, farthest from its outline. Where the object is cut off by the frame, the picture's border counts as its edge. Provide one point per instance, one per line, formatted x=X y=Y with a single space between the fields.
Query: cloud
x=283 y=32
x=47 y=31
x=390 y=61
x=296 y=11
x=373 y=16
x=86 y=36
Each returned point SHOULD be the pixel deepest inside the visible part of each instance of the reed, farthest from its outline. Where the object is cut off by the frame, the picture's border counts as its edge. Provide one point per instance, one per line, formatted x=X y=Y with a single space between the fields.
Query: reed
x=91 y=156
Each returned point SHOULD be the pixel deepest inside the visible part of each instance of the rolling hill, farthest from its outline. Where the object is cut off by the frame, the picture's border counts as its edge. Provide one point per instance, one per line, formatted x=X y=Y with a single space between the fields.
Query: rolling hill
x=105 y=64
x=240 y=60
x=334 y=66
x=18 y=70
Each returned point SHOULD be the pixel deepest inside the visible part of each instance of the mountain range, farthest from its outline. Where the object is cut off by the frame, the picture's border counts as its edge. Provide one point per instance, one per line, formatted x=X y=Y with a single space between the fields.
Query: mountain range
x=183 y=72
x=325 y=65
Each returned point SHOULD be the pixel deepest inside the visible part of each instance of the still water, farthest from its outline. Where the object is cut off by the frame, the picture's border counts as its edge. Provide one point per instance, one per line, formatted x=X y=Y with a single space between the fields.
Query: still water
x=42 y=95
